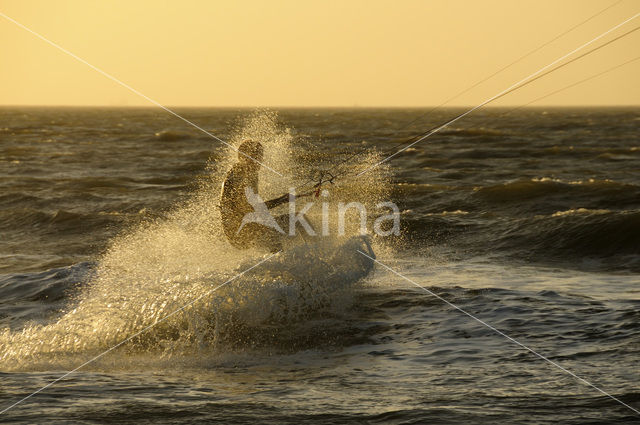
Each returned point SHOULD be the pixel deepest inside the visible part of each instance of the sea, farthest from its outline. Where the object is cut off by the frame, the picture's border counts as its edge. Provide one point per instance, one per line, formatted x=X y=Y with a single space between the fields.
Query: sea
x=509 y=295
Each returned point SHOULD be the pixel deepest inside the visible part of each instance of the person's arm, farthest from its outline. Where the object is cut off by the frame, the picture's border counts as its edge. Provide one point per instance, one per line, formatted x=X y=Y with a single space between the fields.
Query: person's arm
x=278 y=201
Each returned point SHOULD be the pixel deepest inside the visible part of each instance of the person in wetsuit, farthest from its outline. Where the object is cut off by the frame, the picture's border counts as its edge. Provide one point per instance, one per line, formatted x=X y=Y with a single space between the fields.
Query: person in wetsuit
x=245 y=220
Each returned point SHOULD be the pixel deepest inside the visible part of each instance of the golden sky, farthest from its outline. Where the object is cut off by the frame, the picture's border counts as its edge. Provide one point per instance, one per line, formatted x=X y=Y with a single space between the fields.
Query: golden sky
x=309 y=53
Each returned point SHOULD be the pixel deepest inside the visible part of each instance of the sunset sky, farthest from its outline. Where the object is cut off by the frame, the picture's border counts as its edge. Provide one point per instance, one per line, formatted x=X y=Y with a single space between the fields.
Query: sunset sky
x=315 y=53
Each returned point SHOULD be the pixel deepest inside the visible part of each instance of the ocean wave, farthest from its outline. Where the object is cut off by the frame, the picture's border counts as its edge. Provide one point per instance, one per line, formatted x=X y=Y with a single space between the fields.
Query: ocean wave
x=430 y=229
x=12 y=199
x=53 y=221
x=606 y=192
x=47 y=286
x=447 y=213
x=487 y=153
x=578 y=211
x=170 y=135
x=576 y=234
x=474 y=132
x=567 y=125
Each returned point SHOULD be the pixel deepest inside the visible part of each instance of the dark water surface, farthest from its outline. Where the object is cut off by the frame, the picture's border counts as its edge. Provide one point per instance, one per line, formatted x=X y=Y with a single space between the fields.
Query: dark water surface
x=528 y=220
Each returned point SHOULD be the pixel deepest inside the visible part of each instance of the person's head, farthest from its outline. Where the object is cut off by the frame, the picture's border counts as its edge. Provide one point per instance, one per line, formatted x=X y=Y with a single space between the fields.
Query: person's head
x=250 y=152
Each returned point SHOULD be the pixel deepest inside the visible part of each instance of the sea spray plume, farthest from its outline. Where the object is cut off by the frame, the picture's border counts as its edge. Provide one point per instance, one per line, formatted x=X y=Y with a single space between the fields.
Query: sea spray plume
x=301 y=158
x=158 y=266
